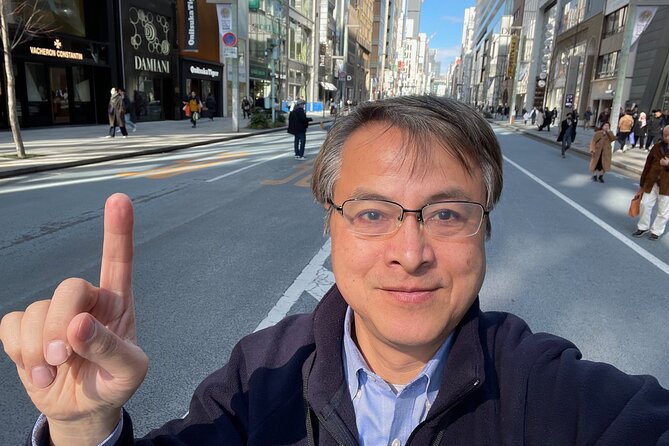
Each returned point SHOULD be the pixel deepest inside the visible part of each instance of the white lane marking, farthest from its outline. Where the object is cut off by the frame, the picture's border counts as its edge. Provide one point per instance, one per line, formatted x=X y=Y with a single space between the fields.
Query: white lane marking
x=302 y=282
x=321 y=283
x=32 y=187
x=314 y=279
x=598 y=221
x=211 y=180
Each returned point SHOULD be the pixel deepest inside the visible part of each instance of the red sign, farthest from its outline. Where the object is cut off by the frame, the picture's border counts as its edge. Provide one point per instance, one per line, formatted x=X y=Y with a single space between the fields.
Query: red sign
x=229 y=39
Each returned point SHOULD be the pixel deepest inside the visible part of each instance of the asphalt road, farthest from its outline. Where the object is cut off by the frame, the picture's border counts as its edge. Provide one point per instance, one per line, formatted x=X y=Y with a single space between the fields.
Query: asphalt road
x=228 y=234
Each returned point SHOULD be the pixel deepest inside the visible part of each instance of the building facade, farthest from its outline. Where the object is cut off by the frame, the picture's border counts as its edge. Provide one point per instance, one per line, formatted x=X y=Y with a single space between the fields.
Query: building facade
x=65 y=78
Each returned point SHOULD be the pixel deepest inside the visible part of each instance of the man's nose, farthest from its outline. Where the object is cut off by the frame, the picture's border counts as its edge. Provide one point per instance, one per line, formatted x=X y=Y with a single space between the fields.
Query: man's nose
x=409 y=246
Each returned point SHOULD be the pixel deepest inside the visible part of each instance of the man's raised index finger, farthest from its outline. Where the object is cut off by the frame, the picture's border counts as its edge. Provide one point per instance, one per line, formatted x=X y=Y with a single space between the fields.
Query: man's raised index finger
x=117 y=248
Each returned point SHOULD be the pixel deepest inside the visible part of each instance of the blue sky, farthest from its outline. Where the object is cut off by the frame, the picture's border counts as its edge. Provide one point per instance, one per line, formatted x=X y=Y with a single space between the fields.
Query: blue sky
x=442 y=19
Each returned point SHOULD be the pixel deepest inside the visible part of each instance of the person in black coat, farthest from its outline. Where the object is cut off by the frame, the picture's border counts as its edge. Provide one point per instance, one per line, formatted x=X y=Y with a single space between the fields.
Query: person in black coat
x=210 y=103
x=654 y=129
x=567 y=133
x=297 y=126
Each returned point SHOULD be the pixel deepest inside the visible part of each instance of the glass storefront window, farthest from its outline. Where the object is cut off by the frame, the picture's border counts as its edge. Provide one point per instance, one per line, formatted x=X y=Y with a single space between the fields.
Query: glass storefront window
x=147 y=98
x=82 y=85
x=36 y=83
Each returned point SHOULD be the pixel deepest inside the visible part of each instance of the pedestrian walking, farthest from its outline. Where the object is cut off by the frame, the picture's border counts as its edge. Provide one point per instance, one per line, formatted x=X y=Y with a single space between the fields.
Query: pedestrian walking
x=128 y=108
x=654 y=184
x=665 y=118
x=625 y=125
x=297 y=126
x=540 y=119
x=567 y=133
x=603 y=117
x=194 y=107
x=210 y=104
x=116 y=113
x=554 y=114
x=600 y=152
x=246 y=108
x=587 y=116
x=546 y=118
x=533 y=115
x=639 y=130
x=654 y=133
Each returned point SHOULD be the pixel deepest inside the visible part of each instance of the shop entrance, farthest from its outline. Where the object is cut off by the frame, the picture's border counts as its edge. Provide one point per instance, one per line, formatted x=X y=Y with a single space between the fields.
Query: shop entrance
x=60 y=109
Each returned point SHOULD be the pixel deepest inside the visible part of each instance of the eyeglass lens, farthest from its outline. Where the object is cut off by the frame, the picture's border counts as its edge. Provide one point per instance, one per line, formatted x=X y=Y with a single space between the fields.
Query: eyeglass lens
x=445 y=219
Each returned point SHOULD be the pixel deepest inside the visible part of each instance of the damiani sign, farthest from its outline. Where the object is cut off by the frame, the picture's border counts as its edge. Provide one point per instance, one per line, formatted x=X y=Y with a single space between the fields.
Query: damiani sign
x=50 y=52
x=150 y=64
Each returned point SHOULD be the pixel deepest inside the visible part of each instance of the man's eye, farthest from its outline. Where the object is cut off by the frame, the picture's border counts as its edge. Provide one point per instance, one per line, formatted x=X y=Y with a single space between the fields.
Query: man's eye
x=371 y=216
x=446 y=216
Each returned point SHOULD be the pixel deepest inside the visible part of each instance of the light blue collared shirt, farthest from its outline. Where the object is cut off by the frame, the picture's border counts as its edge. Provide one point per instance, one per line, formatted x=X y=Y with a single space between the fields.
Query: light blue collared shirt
x=387 y=414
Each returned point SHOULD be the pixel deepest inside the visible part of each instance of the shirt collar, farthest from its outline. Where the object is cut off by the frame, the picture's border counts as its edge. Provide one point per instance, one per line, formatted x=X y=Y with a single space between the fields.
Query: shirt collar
x=354 y=362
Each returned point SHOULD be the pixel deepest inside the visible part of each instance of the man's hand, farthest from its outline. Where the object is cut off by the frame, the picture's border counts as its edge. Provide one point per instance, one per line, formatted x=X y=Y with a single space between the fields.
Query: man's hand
x=76 y=354
x=664 y=162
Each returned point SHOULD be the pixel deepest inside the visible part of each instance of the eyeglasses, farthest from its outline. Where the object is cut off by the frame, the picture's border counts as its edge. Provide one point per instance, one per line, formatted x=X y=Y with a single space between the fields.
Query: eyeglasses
x=445 y=219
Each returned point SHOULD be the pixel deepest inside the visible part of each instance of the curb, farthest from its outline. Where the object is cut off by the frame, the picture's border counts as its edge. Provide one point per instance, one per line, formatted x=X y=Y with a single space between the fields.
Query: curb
x=575 y=148
x=141 y=152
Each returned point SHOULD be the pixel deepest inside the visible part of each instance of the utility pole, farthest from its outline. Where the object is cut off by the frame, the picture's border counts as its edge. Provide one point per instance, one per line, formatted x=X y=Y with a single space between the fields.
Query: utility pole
x=273 y=45
x=233 y=64
x=620 y=91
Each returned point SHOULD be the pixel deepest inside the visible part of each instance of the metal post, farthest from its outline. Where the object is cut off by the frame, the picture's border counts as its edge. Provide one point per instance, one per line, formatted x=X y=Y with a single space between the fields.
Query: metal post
x=622 y=67
x=235 y=73
x=273 y=88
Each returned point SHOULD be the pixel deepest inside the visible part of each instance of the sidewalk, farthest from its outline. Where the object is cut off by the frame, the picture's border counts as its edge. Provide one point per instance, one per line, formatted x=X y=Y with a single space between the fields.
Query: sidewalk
x=67 y=146
x=58 y=147
x=632 y=161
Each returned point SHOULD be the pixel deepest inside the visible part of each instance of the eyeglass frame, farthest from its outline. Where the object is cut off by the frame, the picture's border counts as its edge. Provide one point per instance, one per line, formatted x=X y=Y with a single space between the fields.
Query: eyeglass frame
x=419 y=212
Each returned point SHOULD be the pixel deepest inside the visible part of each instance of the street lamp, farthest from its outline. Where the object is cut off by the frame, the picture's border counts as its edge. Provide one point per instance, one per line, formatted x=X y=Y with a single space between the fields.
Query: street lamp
x=273 y=46
x=345 y=54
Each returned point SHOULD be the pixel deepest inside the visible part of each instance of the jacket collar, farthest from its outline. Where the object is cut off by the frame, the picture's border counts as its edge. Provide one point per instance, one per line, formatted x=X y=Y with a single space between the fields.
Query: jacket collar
x=464 y=368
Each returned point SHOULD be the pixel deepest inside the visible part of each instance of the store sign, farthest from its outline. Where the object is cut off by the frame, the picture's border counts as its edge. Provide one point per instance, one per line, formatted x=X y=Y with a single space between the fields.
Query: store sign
x=569 y=101
x=152 y=64
x=190 y=7
x=513 y=54
x=204 y=71
x=56 y=51
x=258 y=72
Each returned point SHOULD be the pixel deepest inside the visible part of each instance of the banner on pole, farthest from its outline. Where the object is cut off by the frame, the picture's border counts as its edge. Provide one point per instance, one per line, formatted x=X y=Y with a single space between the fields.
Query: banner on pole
x=224 y=13
x=190 y=8
x=644 y=15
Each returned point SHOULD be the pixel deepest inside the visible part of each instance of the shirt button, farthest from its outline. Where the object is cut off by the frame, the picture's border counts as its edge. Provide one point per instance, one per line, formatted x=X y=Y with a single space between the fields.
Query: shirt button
x=396 y=442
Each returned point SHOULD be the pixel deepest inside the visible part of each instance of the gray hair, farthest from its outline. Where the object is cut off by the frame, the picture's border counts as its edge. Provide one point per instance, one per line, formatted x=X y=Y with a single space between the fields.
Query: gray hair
x=460 y=129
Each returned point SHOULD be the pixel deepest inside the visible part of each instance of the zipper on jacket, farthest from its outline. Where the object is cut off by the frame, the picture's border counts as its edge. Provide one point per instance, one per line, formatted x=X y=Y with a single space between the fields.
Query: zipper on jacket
x=326 y=425
x=437 y=439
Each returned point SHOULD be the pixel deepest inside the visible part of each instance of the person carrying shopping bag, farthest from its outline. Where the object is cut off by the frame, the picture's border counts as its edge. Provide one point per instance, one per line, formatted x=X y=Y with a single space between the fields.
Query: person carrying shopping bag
x=194 y=107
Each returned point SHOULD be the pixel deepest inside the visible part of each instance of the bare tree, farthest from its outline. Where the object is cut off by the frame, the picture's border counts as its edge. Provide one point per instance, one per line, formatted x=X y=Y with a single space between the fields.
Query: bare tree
x=28 y=21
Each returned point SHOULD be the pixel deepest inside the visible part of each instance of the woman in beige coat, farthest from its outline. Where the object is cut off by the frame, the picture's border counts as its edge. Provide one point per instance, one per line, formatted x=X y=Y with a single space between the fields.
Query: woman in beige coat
x=600 y=152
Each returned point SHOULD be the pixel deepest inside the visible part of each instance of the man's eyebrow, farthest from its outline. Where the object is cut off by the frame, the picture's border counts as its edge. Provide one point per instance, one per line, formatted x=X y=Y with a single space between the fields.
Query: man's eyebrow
x=455 y=193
